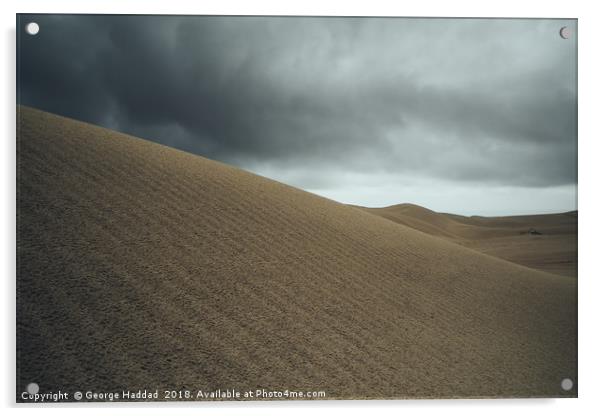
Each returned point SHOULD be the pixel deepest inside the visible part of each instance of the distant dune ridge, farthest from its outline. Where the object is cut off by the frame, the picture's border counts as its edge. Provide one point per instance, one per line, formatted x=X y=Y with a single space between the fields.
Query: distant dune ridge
x=144 y=267
x=545 y=242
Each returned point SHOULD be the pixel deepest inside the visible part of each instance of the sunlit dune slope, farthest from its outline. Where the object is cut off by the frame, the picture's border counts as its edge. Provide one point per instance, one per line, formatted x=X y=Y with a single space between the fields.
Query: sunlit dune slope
x=144 y=267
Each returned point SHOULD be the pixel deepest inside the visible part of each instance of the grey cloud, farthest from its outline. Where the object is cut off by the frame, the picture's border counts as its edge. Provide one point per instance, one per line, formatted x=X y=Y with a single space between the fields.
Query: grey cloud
x=485 y=101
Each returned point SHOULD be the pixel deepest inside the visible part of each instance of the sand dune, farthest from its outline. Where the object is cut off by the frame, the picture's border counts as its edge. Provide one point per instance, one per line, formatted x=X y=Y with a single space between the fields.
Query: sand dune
x=143 y=267
x=553 y=248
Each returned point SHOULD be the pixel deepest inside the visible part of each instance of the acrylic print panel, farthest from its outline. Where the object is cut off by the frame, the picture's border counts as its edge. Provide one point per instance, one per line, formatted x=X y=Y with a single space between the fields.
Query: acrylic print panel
x=295 y=208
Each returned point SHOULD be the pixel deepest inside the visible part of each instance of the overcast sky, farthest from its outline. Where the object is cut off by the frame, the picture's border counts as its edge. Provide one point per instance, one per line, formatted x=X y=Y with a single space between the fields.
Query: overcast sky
x=474 y=117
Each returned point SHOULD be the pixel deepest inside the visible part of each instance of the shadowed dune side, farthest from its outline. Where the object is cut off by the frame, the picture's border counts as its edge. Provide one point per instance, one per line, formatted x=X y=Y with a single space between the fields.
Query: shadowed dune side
x=140 y=266
x=552 y=249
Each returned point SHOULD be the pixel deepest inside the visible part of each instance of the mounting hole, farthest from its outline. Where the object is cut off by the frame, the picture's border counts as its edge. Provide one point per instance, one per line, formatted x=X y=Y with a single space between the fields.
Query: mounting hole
x=32 y=28
x=565 y=32
x=566 y=384
x=33 y=388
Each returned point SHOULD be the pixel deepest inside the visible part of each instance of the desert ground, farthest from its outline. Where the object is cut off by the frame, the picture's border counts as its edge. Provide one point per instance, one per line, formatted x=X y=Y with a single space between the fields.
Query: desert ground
x=544 y=242
x=143 y=267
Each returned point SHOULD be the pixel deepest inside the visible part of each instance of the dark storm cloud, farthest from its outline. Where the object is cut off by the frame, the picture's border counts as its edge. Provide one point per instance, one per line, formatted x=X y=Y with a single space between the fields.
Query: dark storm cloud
x=490 y=101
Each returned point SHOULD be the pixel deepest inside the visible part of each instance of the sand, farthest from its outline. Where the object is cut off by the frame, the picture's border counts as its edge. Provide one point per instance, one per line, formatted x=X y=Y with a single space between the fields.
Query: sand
x=553 y=248
x=143 y=267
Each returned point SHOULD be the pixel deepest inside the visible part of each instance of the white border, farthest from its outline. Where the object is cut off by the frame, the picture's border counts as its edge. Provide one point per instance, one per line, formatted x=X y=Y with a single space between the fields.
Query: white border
x=590 y=209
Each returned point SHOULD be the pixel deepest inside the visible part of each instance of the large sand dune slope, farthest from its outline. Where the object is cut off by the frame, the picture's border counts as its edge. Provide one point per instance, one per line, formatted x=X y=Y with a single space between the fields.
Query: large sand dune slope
x=553 y=248
x=140 y=266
